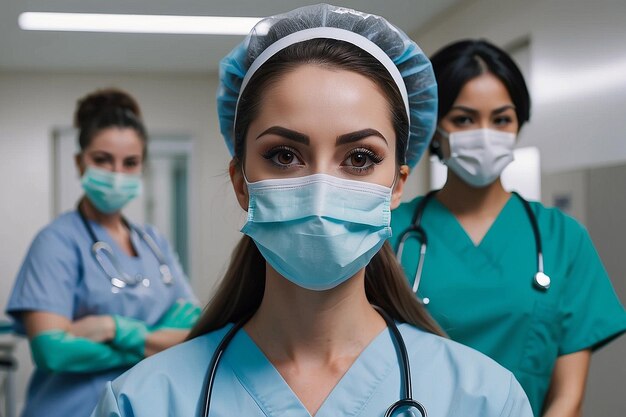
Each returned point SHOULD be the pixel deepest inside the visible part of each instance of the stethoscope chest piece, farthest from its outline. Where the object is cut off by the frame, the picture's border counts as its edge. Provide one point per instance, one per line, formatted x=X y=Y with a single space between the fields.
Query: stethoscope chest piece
x=166 y=274
x=541 y=281
x=406 y=408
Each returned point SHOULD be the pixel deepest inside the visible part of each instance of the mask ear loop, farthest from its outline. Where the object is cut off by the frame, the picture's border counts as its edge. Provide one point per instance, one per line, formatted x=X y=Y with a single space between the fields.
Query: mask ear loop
x=243 y=172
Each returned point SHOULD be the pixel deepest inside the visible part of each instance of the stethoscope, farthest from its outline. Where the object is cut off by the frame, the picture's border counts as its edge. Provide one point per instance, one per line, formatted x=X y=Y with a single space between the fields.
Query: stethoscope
x=541 y=281
x=405 y=402
x=103 y=252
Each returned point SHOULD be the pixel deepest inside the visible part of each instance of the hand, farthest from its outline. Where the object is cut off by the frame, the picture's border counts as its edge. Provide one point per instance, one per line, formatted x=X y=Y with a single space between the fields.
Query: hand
x=95 y=328
x=181 y=315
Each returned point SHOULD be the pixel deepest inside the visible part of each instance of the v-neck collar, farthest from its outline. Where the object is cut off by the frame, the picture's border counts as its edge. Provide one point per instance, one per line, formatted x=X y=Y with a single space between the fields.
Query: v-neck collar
x=461 y=230
x=276 y=398
x=103 y=234
x=446 y=227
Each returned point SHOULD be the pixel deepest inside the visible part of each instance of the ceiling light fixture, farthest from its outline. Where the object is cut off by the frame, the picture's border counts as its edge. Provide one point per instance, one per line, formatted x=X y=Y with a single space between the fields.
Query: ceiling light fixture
x=135 y=23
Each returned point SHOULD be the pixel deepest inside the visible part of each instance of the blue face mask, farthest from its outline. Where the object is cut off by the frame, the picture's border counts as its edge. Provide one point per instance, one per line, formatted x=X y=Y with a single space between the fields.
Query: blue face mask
x=318 y=231
x=110 y=191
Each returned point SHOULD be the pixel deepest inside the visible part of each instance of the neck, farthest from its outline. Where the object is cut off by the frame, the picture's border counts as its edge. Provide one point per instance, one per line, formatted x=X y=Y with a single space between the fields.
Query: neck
x=461 y=198
x=107 y=220
x=293 y=323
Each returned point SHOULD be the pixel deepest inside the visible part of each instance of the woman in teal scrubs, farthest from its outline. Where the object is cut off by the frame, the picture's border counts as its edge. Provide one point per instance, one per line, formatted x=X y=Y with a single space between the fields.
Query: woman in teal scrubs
x=92 y=310
x=323 y=109
x=481 y=257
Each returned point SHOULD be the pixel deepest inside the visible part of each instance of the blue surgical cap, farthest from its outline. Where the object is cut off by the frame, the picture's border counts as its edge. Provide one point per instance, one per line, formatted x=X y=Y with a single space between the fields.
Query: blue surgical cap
x=404 y=60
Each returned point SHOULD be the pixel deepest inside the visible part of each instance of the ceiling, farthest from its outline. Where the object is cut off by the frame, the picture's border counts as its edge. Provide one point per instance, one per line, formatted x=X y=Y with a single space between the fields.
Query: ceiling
x=96 y=52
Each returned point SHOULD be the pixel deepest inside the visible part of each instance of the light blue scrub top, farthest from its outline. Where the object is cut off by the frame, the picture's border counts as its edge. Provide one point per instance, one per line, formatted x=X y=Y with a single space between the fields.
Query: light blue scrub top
x=483 y=295
x=449 y=379
x=60 y=275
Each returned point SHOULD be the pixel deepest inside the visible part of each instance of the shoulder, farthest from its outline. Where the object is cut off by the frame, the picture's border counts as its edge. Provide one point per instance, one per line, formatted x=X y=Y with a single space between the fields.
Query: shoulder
x=556 y=224
x=61 y=232
x=184 y=364
x=463 y=359
x=64 y=225
x=555 y=219
x=472 y=379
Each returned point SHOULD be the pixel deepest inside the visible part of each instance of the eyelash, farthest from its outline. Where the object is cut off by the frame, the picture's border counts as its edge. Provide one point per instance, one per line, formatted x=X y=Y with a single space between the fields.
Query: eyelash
x=503 y=120
x=463 y=120
x=373 y=156
x=271 y=153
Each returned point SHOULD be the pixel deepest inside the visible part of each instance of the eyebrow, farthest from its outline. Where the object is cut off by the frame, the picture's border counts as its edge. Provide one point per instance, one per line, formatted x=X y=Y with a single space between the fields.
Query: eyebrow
x=286 y=133
x=474 y=111
x=106 y=154
x=304 y=139
x=358 y=135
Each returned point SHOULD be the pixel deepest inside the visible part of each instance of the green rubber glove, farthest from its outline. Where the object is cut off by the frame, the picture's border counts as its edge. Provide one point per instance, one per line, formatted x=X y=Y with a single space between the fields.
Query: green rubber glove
x=181 y=315
x=130 y=335
x=58 y=351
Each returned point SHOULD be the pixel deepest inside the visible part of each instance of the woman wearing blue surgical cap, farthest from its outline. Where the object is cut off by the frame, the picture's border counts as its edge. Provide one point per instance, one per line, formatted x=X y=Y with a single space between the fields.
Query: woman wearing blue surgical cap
x=321 y=107
x=96 y=293
x=513 y=279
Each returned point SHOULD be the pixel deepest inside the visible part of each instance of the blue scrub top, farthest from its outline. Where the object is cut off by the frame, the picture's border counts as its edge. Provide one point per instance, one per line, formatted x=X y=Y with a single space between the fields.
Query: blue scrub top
x=60 y=275
x=449 y=379
x=483 y=295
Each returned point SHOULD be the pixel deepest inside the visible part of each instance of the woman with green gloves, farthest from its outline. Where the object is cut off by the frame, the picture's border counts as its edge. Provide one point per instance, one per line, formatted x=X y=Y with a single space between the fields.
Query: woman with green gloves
x=97 y=293
x=515 y=280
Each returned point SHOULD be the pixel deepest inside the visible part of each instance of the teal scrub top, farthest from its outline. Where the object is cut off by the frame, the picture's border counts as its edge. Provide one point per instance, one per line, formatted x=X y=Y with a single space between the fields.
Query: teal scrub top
x=483 y=296
x=449 y=379
x=60 y=275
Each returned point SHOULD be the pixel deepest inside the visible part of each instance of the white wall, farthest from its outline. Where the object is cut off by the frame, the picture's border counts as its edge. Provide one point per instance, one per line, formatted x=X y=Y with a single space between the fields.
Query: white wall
x=578 y=71
x=577 y=60
x=31 y=105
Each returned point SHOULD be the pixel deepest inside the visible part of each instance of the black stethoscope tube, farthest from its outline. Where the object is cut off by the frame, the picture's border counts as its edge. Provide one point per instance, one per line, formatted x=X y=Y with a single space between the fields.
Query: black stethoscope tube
x=541 y=281
x=406 y=401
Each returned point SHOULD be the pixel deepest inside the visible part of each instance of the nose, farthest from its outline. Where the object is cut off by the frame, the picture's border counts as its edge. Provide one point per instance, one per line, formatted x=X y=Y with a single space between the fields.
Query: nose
x=118 y=166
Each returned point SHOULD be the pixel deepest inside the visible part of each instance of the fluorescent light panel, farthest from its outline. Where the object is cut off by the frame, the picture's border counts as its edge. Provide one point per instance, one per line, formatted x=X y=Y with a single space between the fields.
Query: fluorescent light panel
x=135 y=23
x=552 y=85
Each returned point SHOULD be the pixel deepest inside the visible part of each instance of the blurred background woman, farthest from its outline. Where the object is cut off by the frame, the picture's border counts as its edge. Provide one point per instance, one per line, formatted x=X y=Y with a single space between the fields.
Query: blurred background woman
x=97 y=293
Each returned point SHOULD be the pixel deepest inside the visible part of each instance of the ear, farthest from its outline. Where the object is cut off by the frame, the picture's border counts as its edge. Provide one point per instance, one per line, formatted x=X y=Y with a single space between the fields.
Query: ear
x=80 y=166
x=396 y=194
x=440 y=145
x=239 y=183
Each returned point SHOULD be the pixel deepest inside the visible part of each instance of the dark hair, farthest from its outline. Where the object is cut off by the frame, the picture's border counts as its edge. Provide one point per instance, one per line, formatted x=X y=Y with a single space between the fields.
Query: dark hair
x=241 y=291
x=107 y=108
x=457 y=63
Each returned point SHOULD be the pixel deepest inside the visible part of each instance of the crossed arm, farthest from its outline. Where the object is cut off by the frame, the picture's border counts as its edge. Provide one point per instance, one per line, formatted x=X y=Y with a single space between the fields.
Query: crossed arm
x=101 y=342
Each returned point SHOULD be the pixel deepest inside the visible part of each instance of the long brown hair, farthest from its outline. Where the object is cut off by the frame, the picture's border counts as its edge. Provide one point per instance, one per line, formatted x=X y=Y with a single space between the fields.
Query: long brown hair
x=240 y=293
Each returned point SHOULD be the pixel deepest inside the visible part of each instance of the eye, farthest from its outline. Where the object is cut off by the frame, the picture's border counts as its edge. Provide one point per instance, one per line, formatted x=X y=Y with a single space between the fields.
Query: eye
x=361 y=160
x=282 y=156
x=131 y=163
x=101 y=159
x=462 y=120
x=502 y=120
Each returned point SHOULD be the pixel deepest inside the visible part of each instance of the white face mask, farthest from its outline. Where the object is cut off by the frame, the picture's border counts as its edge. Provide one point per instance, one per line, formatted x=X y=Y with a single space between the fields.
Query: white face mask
x=479 y=156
